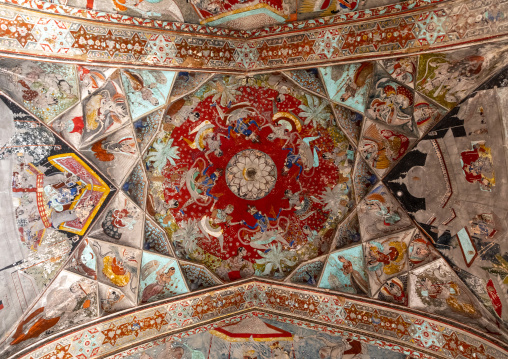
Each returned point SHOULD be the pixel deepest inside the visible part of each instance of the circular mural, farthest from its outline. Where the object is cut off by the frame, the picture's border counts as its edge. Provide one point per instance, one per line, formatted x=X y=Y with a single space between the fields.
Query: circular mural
x=250 y=176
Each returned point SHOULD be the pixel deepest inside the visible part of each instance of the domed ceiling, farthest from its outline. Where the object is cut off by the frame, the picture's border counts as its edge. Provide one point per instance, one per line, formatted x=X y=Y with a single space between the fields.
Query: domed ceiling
x=334 y=210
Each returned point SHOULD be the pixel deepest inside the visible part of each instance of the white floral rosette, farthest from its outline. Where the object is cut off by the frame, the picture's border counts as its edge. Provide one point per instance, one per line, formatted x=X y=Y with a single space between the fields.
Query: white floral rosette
x=251 y=174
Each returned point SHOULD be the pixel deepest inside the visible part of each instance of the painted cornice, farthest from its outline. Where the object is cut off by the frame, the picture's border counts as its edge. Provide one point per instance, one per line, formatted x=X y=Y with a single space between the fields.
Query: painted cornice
x=424 y=334
x=76 y=36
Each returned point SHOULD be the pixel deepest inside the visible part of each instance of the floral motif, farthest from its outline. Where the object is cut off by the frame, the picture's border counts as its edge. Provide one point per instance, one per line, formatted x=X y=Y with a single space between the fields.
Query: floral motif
x=251 y=174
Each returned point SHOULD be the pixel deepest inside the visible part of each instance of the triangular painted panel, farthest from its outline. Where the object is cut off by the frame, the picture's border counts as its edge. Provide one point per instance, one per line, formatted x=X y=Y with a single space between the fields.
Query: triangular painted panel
x=121 y=223
x=146 y=90
x=379 y=214
x=160 y=278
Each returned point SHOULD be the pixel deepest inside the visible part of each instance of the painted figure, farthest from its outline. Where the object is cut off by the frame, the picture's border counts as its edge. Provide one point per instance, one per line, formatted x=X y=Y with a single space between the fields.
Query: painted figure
x=163 y=279
x=433 y=290
x=394 y=290
x=385 y=260
x=113 y=297
x=356 y=279
x=292 y=159
x=206 y=182
x=116 y=220
x=115 y=271
x=102 y=111
x=392 y=105
x=235 y=267
x=478 y=166
x=357 y=81
x=451 y=80
x=241 y=127
x=262 y=220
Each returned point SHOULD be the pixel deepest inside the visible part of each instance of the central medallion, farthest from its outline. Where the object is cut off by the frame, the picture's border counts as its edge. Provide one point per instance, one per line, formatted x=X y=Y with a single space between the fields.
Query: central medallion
x=251 y=174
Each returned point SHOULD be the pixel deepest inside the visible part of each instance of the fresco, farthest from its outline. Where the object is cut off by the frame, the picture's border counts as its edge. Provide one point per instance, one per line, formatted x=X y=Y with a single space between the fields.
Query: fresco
x=426 y=114
x=103 y=112
x=121 y=222
x=156 y=239
x=345 y=272
x=449 y=78
x=462 y=211
x=350 y=121
x=391 y=104
x=308 y=273
x=146 y=90
x=402 y=69
x=92 y=78
x=198 y=277
x=232 y=152
x=118 y=267
x=386 y=257
x=349 y=85
x=161 y=278
x=308 y=79
x=270 y=339
x=69 y=301
x=382 y=146
x=379 y=213
x=115 y=154
x=50 y=197
x=348 y=231
x=44 y=89
x=160 y=188
x=436 y=288
x=146 y=128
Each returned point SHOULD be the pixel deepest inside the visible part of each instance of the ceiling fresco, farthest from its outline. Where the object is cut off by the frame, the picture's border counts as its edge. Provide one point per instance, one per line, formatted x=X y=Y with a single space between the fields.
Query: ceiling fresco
x=383 y=181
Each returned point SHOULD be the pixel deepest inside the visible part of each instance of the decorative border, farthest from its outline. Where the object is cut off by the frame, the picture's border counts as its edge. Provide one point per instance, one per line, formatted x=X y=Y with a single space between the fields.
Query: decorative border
x=29 y=33
x=52 y=8
x=403 y=327
x=329 y=329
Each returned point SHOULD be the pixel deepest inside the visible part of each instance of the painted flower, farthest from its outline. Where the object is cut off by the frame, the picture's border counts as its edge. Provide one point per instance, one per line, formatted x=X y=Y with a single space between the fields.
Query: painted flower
x=334 y=199
x=274 y=258
x=187 y=235
x=316 y=111
x=226 y=92
x=251 y=174
x=163 y=152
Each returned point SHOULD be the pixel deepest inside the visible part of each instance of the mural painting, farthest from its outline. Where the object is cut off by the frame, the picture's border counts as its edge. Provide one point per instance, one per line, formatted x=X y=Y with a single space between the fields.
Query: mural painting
x=118 y=267
x=52 y=198
x=462 y=211
x=161 y=278
x=349 y=84
x=69 y=301
x=345 y=272
x=258 y=338
x=234 y=150
x=391 y=104
x=130 y=187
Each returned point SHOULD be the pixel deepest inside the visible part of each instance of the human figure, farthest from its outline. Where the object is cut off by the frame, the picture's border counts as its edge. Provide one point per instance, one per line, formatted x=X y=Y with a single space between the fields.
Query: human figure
x=163 y=279
x=241 y=127
x=235 y=267
x=292 y=159
x=208 y=181
x=113 y=296
x=359 y=284
x=262 y=220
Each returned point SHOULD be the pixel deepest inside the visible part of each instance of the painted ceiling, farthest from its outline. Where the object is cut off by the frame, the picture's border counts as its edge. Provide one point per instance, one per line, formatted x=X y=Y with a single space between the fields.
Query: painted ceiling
x=257 y=192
